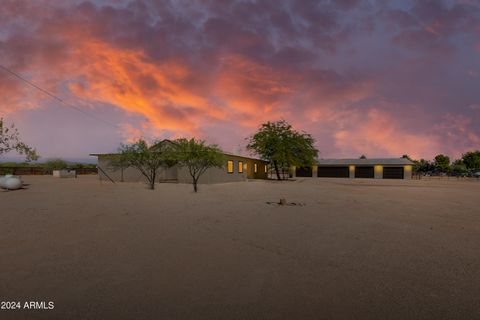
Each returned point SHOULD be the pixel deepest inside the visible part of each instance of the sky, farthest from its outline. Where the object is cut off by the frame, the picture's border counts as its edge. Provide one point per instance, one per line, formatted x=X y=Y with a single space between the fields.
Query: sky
x=380 y=78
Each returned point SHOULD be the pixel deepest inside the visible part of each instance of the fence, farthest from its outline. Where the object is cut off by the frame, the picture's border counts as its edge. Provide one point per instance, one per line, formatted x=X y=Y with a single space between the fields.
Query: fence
x=26 y=171
x=441 y=178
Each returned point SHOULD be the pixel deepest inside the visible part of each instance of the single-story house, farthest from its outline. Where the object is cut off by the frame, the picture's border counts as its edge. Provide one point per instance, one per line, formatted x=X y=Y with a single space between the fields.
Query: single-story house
x=236 y=168
x=386 y=168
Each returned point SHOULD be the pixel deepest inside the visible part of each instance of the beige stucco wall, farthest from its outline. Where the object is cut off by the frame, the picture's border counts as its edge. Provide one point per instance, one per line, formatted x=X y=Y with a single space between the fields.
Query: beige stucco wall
x=219 y=175
x=378 y=171
x=180 y=174
x=407 y=172
x=212 y=175
x=351 y=171
x=131 y=174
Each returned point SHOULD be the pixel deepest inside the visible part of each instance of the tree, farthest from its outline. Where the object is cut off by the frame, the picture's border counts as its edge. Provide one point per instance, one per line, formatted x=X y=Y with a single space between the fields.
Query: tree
x=55 y=164
x=422 y=166
x=10 y=141
x=197 y=157
x=442 y=163
x=459 y=167
x=146 y=159
x=278 y=143
x=471 y=160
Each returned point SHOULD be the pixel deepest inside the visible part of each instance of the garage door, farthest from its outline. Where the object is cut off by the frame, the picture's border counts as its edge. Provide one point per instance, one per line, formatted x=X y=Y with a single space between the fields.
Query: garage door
x=333 y=172
x=303 y=171
x=364 y=172
x=393 y=173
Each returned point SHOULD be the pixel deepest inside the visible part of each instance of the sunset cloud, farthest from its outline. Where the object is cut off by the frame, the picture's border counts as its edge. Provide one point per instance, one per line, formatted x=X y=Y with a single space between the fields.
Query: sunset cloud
x=405 y=83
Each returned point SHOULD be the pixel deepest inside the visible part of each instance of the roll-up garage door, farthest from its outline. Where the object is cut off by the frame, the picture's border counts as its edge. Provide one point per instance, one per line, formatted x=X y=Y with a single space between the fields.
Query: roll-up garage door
x=364 y=172
x=303 y=171
x=393 y=173
x=333 y=172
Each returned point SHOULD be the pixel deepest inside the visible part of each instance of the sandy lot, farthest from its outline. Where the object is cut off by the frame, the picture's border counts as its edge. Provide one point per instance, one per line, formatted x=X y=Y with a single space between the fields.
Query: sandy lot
x=357 y=249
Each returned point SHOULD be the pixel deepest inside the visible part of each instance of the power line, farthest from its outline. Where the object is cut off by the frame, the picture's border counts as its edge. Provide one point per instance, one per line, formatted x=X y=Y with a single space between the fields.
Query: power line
x=53 y=96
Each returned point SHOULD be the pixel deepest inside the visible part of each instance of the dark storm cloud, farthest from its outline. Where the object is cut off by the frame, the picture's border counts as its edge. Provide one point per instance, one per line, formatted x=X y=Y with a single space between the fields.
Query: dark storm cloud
x=341 y=69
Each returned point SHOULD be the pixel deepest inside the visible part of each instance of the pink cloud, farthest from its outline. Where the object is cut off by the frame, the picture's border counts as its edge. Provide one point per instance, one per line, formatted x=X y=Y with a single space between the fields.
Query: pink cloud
x=217 y=71
x=375 y=133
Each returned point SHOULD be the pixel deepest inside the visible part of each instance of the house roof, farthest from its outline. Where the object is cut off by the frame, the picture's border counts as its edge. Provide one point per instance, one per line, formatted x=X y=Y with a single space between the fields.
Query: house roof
x=240 y=156
x=225 y=153
x=167 y=142
x=376 y=161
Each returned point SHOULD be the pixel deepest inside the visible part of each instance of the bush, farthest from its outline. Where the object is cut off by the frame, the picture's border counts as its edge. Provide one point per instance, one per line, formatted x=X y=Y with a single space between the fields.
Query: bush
x=55 y=164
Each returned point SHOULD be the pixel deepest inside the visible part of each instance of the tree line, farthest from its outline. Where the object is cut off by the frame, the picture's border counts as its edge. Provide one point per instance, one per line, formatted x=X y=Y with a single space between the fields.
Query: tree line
x=49 y=165
x=467 y=165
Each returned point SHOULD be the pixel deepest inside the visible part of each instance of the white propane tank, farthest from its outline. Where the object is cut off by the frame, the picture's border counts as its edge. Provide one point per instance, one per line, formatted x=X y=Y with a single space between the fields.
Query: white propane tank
x=2 y=182
x=13 y=183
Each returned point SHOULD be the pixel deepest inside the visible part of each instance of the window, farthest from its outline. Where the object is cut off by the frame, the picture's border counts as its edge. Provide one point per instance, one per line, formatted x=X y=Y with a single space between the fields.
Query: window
x=266 y=168
x=255 y=169
x=230 y=166
x=240 y=167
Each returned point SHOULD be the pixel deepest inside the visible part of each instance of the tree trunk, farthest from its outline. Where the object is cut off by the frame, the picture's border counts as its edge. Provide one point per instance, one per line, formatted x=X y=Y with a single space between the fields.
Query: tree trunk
x=275 y=165
x=152 y=180
x=195 y=185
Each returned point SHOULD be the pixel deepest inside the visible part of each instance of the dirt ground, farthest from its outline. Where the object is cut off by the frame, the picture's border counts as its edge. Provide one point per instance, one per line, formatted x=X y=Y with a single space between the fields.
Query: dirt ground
x=353 y=249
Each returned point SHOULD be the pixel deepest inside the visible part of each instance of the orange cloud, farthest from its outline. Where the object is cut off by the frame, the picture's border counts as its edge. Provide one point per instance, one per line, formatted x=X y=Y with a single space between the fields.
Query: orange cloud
x=17 y=95
x=214 y=71
x=127 y=80
x=377 y=134
x=251 y=91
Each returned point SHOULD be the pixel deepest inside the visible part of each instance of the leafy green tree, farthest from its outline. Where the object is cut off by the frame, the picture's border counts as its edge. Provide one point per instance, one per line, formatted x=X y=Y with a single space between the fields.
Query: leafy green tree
x=15 y=164
x=278 y=143
x=459 y=167
x=55 y=164
x=422 y=166
x=197 y=157
x=442 y=163
x=10 y=141
x=145 y=158
x=471 y=160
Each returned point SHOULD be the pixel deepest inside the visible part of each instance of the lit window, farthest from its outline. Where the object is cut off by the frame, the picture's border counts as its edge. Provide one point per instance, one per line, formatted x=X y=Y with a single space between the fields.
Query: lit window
x=266 y=168
x=230 y=166
x=255 y=169
x=240 y=167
